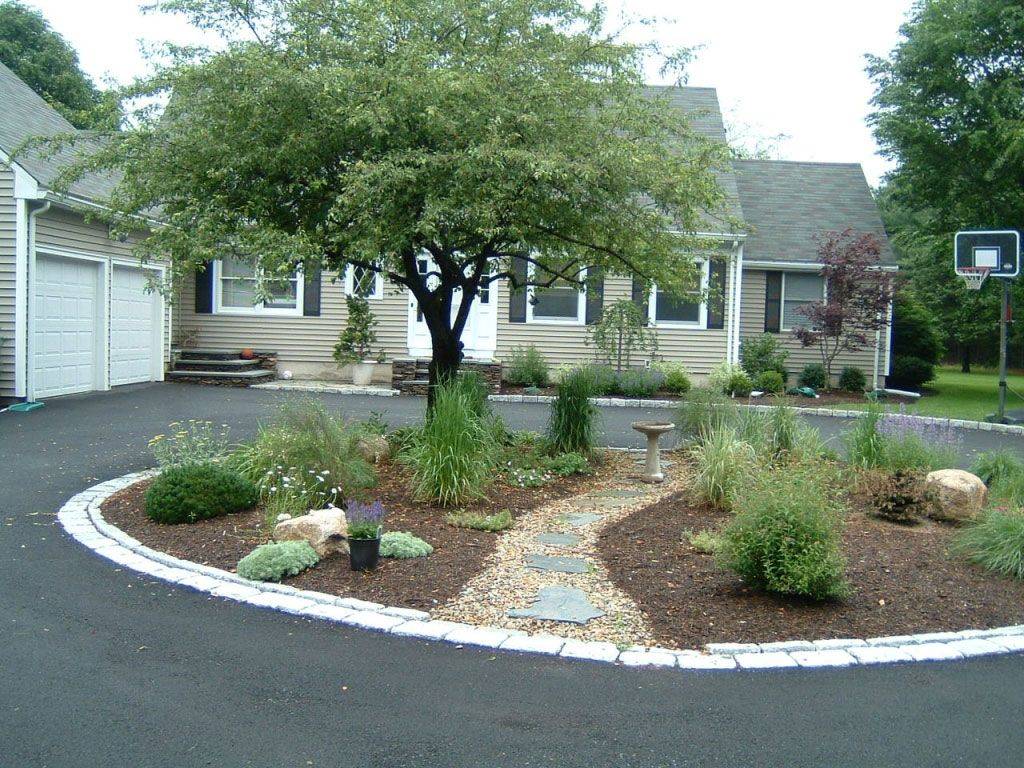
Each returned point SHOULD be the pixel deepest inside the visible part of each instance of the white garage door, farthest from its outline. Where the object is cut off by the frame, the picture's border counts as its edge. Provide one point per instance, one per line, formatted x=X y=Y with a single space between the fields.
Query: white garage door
x=134 y=320
x=66 y=331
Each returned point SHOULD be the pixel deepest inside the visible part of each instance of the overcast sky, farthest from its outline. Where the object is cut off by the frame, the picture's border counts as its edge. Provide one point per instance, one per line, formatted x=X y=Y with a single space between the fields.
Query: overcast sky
x=793 y=67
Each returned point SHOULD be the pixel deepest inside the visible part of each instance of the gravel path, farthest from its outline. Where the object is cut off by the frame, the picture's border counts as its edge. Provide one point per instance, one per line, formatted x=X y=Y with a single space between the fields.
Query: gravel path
x=507 y=583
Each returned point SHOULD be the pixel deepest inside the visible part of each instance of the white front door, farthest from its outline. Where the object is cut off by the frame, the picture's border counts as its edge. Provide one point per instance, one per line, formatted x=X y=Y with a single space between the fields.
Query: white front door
x=135 y=344
x=67 y=322
x=480 y=335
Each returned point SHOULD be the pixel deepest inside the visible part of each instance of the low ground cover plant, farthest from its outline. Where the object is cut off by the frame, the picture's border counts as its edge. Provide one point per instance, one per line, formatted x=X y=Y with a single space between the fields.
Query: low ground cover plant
x=995 y=541
x=403 y=545
x=499 y=521
x=274 y=562
x=572 y=426
x=705 y=542
x=192 y=492
x=785 y=536
x=526 y=367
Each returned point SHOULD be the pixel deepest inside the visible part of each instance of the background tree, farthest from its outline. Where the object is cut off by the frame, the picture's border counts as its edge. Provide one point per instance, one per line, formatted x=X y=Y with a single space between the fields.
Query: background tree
x=49 y=64
x=359 y=132
x=950 y=111
x=857 y=297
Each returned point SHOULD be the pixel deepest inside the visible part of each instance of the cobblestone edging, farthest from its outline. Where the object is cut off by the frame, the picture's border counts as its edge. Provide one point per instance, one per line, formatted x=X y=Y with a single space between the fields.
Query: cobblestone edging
x=81 y=519
x=839 y=413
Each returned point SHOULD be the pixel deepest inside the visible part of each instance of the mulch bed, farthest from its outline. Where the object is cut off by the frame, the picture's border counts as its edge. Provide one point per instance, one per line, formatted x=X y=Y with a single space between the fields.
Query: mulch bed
x=422 y=583
x=904 y=579
x=824 y=399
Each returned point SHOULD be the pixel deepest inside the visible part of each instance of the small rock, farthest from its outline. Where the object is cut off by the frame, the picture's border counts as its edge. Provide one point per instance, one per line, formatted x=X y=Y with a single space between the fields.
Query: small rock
x=283 y=516
x=958 y=496
x=325 y=529
x=373 y=448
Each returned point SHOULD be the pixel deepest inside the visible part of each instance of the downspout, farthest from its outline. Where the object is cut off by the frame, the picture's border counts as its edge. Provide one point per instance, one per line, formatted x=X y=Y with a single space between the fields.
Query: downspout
x=30 y=319
x=737 y=301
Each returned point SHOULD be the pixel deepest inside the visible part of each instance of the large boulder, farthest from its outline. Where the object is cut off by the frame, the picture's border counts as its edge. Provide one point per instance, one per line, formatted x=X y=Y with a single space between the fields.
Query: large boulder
x=957 y=496
x=372 y=448
x=325 y=529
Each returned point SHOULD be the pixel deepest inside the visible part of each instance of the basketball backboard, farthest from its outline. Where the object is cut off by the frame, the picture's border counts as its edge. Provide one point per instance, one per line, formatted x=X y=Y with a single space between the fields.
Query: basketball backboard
x=997 y=251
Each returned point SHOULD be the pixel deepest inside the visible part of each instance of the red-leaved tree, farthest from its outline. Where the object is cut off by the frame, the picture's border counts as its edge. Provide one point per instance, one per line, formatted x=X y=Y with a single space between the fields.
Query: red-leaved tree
x=857 y=296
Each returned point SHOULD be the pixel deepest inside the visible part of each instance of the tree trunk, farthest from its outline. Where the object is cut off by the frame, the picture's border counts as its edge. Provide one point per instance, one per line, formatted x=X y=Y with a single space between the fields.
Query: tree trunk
x=965 y=358
x=444 y=363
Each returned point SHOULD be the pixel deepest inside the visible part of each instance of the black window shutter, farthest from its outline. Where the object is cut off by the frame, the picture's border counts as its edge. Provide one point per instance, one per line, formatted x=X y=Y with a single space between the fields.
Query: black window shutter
x=716 y=294
x=773 y=302
x=641 y=296
x=595 y=295
x=517 y=298
x=204 y=289
x=311 y=293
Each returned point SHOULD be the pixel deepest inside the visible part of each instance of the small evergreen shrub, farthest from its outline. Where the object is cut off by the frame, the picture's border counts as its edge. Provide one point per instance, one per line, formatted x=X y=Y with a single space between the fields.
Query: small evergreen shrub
x=191 y=492
x=358 y=337
x=813 y=376
x=639 y=382
x=724 y=464
x=273 y=562
x=853 y=380
x=993 y=466
x=677 y=380
x=785 y=537
x=739 y=385
x=910 y=373
x=403 y=546
x=770 y=382
x=900 y=497
x=702 y=412
x=526 y=368
x=572 y=424
x=759 y=354
x=499 y=521
x=995 y=541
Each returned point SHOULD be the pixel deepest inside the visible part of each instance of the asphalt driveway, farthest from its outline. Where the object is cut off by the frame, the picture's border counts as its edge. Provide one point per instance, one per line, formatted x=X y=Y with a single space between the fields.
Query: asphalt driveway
x=101 y=667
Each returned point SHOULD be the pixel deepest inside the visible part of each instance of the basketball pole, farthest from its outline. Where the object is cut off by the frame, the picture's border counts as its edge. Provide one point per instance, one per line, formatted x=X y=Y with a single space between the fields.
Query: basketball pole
x=1004 y=319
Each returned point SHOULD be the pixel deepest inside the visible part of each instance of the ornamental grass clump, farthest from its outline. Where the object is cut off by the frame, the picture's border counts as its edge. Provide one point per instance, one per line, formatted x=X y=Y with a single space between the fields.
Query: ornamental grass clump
x=995 y=541
x=572 y=425
x=994 y=466
x=785 y=537
x=453 y=457
x=402 y=545
x=192 y=492
x=724 y=463
x=273 y=562
x=702 y=412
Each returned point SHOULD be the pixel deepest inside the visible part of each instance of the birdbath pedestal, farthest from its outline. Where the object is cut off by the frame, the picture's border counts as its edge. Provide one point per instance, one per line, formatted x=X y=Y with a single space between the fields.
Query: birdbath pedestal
x=653 y=430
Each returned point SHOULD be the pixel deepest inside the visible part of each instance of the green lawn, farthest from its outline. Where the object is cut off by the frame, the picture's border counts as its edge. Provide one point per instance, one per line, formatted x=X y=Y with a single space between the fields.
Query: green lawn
x=974 y=395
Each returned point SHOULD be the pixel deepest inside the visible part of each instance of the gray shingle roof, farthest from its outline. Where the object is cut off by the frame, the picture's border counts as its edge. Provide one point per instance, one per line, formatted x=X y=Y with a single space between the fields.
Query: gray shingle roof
x=25 y=115
x=786 y=203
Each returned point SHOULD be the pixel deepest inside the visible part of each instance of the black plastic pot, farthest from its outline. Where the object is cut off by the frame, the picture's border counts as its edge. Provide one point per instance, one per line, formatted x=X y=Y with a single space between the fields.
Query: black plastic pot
x=363 y=554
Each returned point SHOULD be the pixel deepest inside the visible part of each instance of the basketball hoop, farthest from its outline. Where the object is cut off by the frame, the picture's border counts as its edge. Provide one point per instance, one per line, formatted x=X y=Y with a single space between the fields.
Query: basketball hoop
x=974 y=276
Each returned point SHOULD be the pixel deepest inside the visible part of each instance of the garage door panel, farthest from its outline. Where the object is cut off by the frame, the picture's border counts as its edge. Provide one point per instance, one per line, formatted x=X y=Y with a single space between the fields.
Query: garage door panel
x=134 y=321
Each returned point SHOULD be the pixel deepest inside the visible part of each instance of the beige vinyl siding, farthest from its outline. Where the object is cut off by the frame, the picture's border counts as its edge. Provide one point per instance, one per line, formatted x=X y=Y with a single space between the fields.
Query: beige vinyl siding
x=752 y=324
x=62 y=230
x=699 y=350
x=7 y=280
x=297 y=340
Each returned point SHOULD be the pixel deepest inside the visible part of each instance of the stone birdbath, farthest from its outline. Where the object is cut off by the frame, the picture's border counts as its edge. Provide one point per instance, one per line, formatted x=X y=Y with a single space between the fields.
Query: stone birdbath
x=653 y=430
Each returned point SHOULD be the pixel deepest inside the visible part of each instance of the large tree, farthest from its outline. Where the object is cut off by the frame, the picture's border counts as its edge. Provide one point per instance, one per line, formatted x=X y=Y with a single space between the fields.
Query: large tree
x=950 y=112
x=330 y=133
x=49 y=64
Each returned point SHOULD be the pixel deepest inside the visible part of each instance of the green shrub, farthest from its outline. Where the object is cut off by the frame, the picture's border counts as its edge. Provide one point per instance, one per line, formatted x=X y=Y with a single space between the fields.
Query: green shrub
x=499 y=521
x=453 y=457
x=568 y=464
x=357 y=337
x=759 y=354
x=770 y=382
x=993 y=466
x=192 y=492
x=192 y=442
x=572 y=425
x=853 y=380
x=995 y=541
x=910 y=373
x=720 y=377
x=916 y=343
x=813 y=376
x=639 y=382
x=272 y=562
x=526 y=368
x=739 y=385
x=723 y=464
x=702 y=412
x=403 y=545
x=785 y=537
x=677 y=380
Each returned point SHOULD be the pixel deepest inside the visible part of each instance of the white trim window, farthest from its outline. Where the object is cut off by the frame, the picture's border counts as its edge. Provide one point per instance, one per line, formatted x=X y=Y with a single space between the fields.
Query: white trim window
x=799 y=289
x=236 y=289
x=562 y=303
x=690 y=310
x=363 y=282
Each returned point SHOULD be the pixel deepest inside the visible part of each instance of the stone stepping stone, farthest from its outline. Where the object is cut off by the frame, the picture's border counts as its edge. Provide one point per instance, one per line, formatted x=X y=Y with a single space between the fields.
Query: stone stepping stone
x=557 y=564
x=559 y=539
x=566 y=604
x=581 y=519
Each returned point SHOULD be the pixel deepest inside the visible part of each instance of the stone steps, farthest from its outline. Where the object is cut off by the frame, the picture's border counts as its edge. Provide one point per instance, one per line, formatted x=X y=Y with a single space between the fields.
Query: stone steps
x=229 y=378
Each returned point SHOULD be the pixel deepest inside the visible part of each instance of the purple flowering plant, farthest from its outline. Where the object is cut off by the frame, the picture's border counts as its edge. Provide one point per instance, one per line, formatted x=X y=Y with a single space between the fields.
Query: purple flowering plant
x=365 y=521
x=914 y=443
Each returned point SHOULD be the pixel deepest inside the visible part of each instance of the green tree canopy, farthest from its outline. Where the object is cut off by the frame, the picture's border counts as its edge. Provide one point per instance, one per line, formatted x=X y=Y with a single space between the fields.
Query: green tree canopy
x=368 y=132
x=48 y=63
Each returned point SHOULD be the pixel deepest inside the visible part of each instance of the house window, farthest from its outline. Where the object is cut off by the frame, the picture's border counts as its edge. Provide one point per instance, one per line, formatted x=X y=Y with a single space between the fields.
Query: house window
x=238 y=290
x=561 y=302
x=363 y=282
x=680 y=310
x=799 y=289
